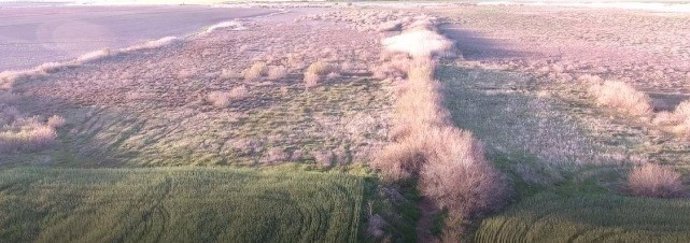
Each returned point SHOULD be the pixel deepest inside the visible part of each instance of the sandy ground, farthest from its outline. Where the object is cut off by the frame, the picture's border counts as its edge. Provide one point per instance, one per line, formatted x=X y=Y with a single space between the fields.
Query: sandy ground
x=30 y=36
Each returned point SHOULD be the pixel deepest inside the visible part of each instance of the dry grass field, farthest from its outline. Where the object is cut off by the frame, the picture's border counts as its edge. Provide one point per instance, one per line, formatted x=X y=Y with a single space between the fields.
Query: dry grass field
x=385 y=122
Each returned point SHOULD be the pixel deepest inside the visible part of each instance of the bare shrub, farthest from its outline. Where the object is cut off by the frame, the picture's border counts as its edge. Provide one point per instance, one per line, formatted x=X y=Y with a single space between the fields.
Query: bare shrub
x=219 y=99
x=7 y=80
x=56 y=121
x=50 y=67
x=254 y=72
x=621 y=97
x=238 y=93
x=311 y=79
x=26 y=134
x=652 y=180
x=678 y=121
x=458 y=176
x=320 y=68
x=276 y=72
x=420 y=105
x=400 y=161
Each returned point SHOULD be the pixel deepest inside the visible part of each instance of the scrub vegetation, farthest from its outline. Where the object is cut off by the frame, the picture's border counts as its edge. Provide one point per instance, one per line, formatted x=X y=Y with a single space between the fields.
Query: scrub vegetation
x=359 y=122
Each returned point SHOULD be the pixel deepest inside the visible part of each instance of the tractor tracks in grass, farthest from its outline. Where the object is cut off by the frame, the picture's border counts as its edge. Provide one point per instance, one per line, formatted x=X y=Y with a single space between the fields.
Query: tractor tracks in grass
x=155 y=215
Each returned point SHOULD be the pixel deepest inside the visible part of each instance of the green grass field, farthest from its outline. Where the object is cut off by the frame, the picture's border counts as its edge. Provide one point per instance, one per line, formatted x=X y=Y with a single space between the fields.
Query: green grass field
x=564 y=214
x=179 y=205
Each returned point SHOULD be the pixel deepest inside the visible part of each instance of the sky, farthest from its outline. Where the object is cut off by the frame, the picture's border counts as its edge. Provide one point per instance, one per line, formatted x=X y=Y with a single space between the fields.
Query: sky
x=676 y=6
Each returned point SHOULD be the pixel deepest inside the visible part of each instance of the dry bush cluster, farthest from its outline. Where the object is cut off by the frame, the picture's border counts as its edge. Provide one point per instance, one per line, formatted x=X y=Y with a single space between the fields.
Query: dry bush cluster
x=317 y=71
x=256 y=71
x=621 y=97
x=21 y=133
x=276 y=72
x=653 y=180
x=222 y=99
x=448 y=163
x=677 y=122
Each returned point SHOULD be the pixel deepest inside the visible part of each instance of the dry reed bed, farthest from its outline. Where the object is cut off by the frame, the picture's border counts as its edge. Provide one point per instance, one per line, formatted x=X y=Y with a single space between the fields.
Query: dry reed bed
x=447 y=163
x=226 y=97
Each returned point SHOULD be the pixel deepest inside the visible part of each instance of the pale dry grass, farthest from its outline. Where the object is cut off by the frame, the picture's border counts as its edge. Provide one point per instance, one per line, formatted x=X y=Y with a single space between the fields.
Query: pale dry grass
x=256 y=71
x=51 y=67
x=400 y=161
x=652 y=180
x=153 y=44
x=231 y=25
x=621 y=97
x=219 y=99
x=24 y=134
x=7 y=80
x=94 y=55
x=222 y=99
x=276 y=72
x=677 y=122
x=56 y=121
x=320 y=68
x=311 y=80
x=238 y=93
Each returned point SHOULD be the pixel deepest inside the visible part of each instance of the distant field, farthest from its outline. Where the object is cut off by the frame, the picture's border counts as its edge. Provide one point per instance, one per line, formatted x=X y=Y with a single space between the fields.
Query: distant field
x=178 y=204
